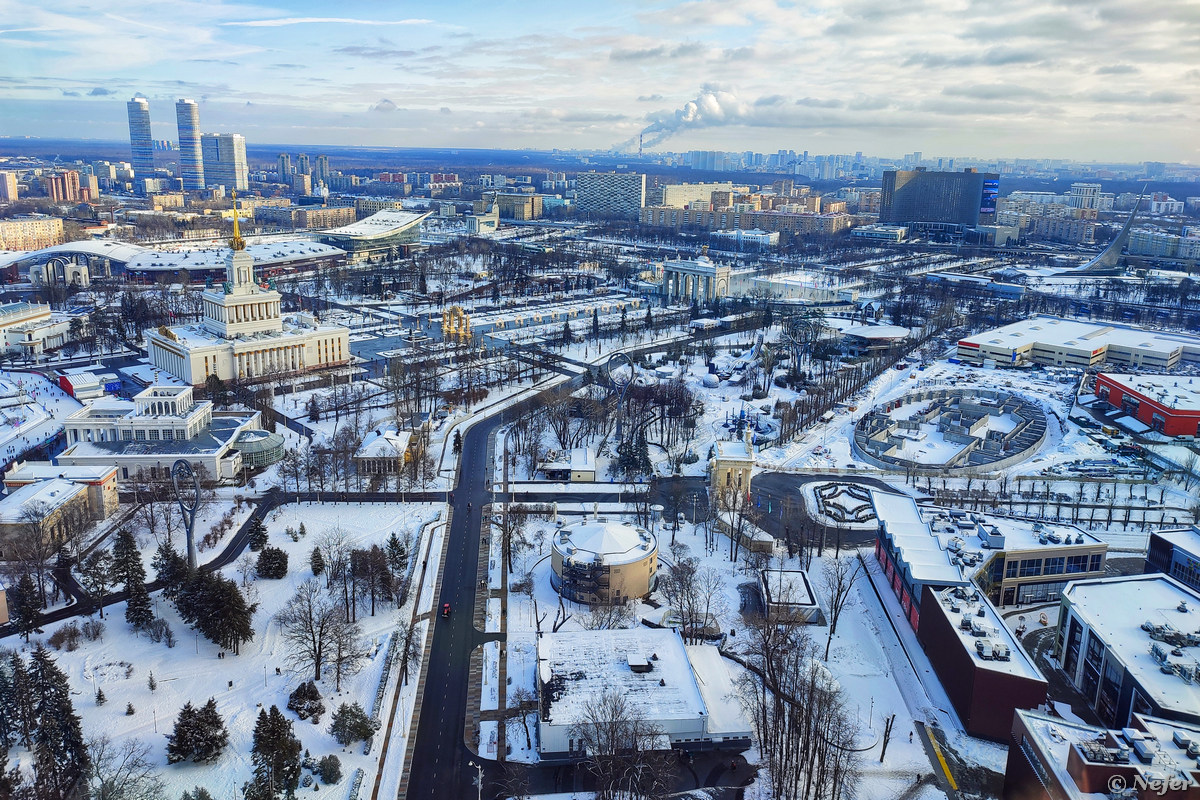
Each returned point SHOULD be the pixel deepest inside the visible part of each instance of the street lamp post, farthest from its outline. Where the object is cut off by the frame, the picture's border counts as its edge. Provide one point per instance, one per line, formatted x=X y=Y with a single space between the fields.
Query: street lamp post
x=479 y=785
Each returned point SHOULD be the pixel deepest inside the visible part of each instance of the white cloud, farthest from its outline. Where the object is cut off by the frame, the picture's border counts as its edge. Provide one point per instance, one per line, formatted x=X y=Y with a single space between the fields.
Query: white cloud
x=281 y=21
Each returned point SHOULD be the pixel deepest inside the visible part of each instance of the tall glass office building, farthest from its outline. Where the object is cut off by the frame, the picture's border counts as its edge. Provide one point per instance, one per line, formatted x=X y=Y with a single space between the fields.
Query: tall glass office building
x=191 y=161
x=141 y=146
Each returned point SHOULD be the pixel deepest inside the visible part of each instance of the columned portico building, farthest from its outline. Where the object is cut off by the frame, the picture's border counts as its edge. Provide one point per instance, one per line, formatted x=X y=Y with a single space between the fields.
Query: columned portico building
x=244 y=334
x=702 y=279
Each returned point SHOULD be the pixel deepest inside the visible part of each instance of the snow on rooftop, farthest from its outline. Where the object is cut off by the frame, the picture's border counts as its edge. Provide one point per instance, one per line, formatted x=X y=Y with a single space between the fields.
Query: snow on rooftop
x=790 y=587
x=604 y=541
x=384 y=443
x=1178 y=393
x=40 y=498
x=579 y=666
x=721 y=698
x=985 y=637
x=1116 y=608
x=212 y=258
x=380 y=224
x=1083 y=335
x=1184 y=538
x=949 y=546
x=734 y=450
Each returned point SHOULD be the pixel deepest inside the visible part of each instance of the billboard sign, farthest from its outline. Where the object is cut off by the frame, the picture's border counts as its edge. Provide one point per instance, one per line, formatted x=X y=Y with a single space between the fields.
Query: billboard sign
x=987 y=203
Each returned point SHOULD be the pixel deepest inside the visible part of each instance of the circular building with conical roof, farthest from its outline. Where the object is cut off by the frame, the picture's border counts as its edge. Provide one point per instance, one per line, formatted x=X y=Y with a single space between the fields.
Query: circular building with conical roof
x=601 y=561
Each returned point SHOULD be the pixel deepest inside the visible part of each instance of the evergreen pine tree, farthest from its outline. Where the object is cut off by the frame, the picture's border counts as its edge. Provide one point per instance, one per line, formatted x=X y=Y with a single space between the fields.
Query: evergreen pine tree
x=61 y=760
x=303 y=531
x=317 y=562
x=397 y=555
x=257 y=534
x=199 y=734
x=24 y=611
x=97 y=575
x=199 y=793
x=127 y=560
x=566 y=333
x=171 y=568
x=7 y=708
x=623 y=326
x=275 y=755
x=314 y=410
x=649 y=321
x=596 y=324
x=272 y=563
x=138 y=611
x=23 y=713
x=129 y=712
x=351 y=724
x=100 y=698
x=151 y=684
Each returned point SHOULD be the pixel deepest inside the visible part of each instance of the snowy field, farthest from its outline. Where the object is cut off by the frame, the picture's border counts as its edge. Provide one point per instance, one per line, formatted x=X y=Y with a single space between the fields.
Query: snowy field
x=122 y=661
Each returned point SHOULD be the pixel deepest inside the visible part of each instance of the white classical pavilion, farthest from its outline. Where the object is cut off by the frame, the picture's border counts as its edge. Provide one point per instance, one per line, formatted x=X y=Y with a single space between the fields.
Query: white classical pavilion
x=700 y=279
x=244 y=333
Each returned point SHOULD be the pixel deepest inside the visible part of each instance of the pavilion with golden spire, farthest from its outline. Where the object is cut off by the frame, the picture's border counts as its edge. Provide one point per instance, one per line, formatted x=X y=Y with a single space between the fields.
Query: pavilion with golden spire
x=242 y=334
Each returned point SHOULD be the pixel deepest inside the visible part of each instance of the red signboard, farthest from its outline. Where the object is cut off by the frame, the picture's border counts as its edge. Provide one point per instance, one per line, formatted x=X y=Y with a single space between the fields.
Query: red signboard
x=967 y=344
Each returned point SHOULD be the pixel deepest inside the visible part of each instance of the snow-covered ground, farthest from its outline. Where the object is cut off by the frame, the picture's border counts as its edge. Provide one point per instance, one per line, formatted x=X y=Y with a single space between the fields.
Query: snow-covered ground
x=32 y=408
x=121 y=662
x=878 y=682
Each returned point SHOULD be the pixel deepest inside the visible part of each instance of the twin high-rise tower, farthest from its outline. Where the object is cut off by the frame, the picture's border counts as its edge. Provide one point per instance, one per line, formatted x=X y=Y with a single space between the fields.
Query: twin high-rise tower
x=225 y=153
x=191 y=158
x=140 y=142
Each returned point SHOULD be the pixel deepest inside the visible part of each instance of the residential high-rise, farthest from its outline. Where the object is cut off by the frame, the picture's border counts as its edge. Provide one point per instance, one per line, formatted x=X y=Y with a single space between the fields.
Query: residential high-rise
x=140 y=144
x=954 y=198
x=62 y=187
x=302 y=165
x=610 y=194
x=224 y=156
x=285 y=167
x=1084 y=195
x=191 y=156
x=321 y=172
x=8 y=187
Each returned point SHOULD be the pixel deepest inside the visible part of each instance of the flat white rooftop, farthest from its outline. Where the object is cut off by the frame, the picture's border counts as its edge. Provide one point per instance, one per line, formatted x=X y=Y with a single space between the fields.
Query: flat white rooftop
x=581 y=665
x=1116 y=608
x=949 y=546
x=1058 y=332
x=1184 y=538
x=984 y=635
x=264 y=255
x=1178 y=393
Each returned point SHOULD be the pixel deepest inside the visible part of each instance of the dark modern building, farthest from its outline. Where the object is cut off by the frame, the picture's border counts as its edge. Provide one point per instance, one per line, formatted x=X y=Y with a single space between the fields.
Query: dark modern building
x=1050 y=758
x=1176 y=553
x=985 y=673
x=947 y=198
x=1127 y=644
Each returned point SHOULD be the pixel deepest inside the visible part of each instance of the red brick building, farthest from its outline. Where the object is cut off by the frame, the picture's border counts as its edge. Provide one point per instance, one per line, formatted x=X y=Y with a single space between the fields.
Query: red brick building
x=1167 y=404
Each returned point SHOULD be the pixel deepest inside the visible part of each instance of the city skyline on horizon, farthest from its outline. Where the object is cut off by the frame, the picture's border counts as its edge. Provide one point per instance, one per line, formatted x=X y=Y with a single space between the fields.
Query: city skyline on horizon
x=685 y=75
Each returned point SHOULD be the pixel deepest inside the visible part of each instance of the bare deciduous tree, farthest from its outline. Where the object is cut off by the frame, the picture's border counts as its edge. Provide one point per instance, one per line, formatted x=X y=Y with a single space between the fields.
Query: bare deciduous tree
x=620 y=743
x=838 y=580
x=122 y=771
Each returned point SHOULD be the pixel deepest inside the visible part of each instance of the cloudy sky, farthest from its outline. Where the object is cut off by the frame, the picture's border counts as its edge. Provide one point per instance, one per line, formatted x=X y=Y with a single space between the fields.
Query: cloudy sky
x=1084 y=79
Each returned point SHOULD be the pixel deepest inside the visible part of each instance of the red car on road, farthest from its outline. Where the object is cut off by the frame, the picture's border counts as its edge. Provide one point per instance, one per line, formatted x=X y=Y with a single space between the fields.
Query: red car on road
x=445 y=609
